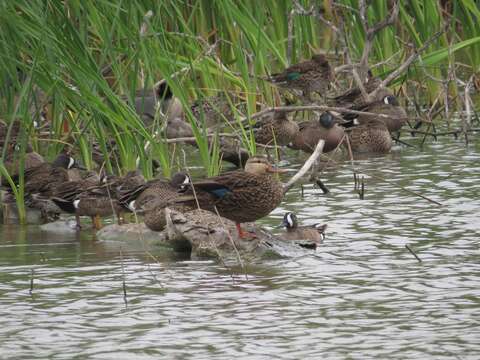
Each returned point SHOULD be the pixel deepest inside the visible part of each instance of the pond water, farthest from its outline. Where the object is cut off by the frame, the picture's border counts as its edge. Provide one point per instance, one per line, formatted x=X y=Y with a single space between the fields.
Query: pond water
x=362 y=295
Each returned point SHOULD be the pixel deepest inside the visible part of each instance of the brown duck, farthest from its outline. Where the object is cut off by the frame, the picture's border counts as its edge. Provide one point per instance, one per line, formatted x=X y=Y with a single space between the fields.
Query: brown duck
x=43 y=178
x=310 y=132
x=370 y=137
x=276 y=130
x=241 y=196
x=157 y=189
x=95 y=197
x=353 y=97
x=388 y=105
x=309 y=76
x=12 y=161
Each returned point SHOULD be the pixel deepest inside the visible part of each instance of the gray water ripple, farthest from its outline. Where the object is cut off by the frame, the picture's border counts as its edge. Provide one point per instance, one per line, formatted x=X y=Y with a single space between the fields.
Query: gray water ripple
x=361 y=296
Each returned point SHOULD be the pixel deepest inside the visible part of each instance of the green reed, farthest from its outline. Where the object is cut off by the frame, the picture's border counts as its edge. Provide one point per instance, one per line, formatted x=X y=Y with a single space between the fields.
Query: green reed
x=89 y=58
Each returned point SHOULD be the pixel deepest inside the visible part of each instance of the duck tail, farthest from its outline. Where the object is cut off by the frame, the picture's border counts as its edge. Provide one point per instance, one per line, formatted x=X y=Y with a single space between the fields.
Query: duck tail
x=65 y=205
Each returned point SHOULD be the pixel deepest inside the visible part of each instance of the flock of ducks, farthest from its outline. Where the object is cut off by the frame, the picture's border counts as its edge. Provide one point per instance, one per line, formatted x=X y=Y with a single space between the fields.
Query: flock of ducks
x=242 y=195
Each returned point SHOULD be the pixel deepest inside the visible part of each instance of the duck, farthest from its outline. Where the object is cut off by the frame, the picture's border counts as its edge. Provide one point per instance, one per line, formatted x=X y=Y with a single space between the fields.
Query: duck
x=12 y=160
x=213 y=111
x=370 y=137
x=241 y=195
x=41 y=179
x=310 y=235
x=388 y=105
x=95 y=196
x=310 y=132
x=353 y=97
x=86 y=197
x=314 y=75
x=158 y=189
x=148 y=101
x=276 y=129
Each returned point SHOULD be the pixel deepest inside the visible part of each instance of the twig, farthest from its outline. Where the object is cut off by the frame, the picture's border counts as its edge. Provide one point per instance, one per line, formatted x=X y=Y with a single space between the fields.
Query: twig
x=31 y=281
x=310 y=108
x=124 y=287
x=393 y=75
x=306 y=166
x=371 y=31
x=322 y=186
x=189 y=139
x=413 y=253
x=300 y=10
x=361 y=192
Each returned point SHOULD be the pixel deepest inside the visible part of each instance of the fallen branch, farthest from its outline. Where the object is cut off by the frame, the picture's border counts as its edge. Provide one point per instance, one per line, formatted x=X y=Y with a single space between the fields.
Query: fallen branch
x=306 y=166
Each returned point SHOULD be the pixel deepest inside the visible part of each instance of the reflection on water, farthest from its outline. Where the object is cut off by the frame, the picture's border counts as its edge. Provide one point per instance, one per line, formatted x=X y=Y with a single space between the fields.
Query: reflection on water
x=362 y=296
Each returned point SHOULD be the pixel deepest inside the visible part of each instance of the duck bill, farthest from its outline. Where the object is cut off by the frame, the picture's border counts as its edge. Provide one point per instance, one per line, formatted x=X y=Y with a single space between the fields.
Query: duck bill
x=275 y=170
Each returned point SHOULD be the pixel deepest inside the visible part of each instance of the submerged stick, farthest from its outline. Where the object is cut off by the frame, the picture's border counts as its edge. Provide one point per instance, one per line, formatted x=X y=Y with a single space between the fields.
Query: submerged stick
x=31 y=282
x=413 y=253
x=124 y=286
x=306 y=166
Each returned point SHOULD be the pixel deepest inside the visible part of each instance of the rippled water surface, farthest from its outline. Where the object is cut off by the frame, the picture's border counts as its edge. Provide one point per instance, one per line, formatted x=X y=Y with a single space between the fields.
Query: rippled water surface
x=362 y=295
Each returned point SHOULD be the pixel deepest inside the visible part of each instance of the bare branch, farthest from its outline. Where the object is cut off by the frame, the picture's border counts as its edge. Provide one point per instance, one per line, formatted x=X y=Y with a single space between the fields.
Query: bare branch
x=300 y=10
x=393 y=75
x=371 y=31
x=306 y=166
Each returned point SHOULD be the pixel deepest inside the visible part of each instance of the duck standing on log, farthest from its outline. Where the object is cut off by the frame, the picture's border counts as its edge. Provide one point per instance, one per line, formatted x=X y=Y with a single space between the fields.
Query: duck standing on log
x=241 y=196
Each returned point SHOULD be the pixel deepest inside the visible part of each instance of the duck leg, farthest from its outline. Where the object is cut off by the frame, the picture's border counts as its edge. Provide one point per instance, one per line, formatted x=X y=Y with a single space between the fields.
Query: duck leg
x=97 y=222
x=244 y=235
x=77 y=219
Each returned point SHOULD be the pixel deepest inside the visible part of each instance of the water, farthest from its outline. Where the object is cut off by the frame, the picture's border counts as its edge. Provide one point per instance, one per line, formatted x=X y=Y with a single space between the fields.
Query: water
x=363 y=295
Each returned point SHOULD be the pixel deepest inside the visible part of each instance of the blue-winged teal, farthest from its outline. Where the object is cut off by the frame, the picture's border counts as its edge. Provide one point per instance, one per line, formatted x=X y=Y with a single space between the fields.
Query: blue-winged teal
x=353 y=97
x=309 y=76
x=42 y=178
x=276 y=129
x=312 y=131
x=388 y=105
x=95 y=197
x=148 y=101
x=312 y=235
x=241 y=196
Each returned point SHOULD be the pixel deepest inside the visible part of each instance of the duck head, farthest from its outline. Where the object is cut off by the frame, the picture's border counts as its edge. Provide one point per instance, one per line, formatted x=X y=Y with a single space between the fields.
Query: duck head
x=320 y=59
x=259 y=165
x=180 y=180
x=390 y=100
x=326 y=120
x=65 y=161
x=290 y=220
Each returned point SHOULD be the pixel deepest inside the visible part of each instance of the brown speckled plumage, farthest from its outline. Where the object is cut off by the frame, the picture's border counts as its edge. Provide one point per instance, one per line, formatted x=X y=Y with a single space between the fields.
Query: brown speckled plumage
x=277 y=129
x=387 y=105
x=215 y=110
x=309 y=76
x=241 y=196
x=353 y=97
x=154 y=190
x=372 y=136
